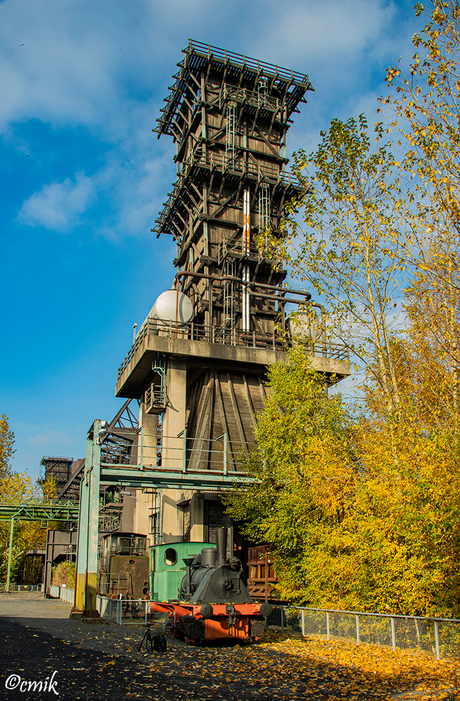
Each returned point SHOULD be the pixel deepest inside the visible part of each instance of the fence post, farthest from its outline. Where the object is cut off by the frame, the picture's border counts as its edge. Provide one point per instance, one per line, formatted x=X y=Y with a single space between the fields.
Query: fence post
x=303 y=622
x=358 y=640
x=119 y=612
x=145 y=619
x=328 y=630
x=393 y=633
x=436 y=639
x=282 y=619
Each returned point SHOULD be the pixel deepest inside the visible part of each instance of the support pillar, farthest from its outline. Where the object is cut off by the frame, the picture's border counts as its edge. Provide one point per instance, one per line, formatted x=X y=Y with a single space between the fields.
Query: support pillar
x=173 y=451
x=10 y=554
x=88 y=528
x=174 y=416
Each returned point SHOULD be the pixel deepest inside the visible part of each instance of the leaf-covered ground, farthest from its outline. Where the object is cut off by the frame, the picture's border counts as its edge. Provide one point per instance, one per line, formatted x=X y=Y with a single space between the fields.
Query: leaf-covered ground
x=101 y=662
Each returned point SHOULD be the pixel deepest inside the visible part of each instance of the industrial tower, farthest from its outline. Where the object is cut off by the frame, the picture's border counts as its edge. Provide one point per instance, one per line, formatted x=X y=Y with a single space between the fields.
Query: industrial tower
x=198 y=362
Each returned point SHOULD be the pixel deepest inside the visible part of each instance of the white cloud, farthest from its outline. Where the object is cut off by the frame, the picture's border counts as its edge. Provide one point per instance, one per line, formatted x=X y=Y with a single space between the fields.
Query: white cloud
x=51 y=439
x=106 y=66
x=57 y=206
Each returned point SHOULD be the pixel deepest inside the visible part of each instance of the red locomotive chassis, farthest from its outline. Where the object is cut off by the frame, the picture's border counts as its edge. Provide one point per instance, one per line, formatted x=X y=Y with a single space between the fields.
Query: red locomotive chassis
x=199 y=623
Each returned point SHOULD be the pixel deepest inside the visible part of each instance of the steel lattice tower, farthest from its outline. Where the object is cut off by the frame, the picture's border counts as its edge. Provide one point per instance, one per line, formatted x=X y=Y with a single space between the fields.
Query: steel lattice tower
x=229 y=116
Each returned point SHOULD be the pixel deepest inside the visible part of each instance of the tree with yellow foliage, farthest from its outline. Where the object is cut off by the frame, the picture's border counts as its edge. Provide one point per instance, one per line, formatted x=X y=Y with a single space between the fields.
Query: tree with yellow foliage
x=363 y=511
x=346 y=246
x=17 y=488
x=423 y=108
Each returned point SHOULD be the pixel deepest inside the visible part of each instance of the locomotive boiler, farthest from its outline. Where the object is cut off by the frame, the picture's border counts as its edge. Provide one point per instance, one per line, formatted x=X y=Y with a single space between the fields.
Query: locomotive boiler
x=213 y=602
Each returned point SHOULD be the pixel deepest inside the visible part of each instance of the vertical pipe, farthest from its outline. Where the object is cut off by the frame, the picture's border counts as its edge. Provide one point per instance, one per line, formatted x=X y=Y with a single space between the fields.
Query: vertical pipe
x=266 y=573
x=436 y=639
x=328 y=629
x=141 y=455
x=225 y=453
x=10 y=553
x=358 y=639
x=303 y=622
x=393 y=633
x=221 y=543
x=184 y=450
x=246 y=248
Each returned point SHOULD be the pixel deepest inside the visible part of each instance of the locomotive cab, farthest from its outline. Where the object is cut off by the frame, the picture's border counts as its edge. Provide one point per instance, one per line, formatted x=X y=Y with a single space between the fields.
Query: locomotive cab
x=124 y=566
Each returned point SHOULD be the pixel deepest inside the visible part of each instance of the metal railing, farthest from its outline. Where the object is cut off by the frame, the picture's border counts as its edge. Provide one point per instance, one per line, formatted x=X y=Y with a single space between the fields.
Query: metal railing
x=63 y=593
x=247 y=62
x=217 y=161
x=250 y=97
x=127 y=611
x=21 y=587
x=226 y=336
x=183 y=454
x=439 y=637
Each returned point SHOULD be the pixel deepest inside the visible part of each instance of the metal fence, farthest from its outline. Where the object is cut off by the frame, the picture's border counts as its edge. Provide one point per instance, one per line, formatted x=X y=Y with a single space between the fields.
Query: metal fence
x=63 y=593
x=21 y=587
x=223 y=336
x=127 y=611
x=439 y=637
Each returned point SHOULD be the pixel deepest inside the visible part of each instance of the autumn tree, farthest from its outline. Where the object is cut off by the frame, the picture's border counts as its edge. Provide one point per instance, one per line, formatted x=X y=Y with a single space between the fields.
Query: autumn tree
x=6 y=446
x=361 y=513
x=422 y=108
x=305 y=473
x=345 y=246
x=17 y=488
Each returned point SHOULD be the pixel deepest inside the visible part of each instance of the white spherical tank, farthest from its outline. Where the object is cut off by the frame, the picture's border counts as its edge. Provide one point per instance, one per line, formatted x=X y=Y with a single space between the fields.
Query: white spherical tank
x=172 y=306
x=305 y=327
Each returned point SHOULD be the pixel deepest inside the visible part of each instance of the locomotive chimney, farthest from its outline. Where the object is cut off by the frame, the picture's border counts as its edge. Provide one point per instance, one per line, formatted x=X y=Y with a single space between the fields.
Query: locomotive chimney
x=221 y=542
x=188 y=581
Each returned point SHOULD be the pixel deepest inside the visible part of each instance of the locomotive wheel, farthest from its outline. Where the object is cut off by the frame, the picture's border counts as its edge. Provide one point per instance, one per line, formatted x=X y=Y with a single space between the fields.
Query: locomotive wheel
x=169 y=628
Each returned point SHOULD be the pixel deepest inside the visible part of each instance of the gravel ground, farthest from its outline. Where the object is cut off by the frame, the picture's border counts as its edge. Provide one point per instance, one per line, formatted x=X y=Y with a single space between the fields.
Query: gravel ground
x=74 y=660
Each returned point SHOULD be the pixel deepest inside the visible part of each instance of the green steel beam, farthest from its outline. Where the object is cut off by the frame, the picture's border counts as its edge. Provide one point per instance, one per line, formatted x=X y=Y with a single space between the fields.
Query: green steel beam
x=67 y=511
x=168 y=480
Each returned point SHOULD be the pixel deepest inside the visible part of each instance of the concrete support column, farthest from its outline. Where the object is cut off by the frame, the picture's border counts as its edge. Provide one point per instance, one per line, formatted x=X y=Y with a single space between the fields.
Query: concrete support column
x=197 y=518
x=88 y=527
x=148 y=437
x=174 y=416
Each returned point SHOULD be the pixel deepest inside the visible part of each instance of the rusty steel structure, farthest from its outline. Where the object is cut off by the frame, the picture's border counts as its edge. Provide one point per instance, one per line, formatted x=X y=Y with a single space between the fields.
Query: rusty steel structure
x=229 y=116
x=197 y=364
x=203 y=375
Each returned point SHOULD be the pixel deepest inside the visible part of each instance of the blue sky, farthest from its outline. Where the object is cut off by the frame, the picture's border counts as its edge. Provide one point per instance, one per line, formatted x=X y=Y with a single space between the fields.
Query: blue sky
x=83 y=177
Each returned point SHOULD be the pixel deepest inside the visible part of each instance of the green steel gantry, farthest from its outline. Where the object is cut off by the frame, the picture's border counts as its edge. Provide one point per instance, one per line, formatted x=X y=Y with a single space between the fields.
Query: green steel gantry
x=137 y=475
x=34 y=511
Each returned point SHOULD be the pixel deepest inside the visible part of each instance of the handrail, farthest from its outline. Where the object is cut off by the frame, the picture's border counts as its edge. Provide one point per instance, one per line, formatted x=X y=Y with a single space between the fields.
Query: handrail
x=219 y=162
x=246 y=62
x=224 y=336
